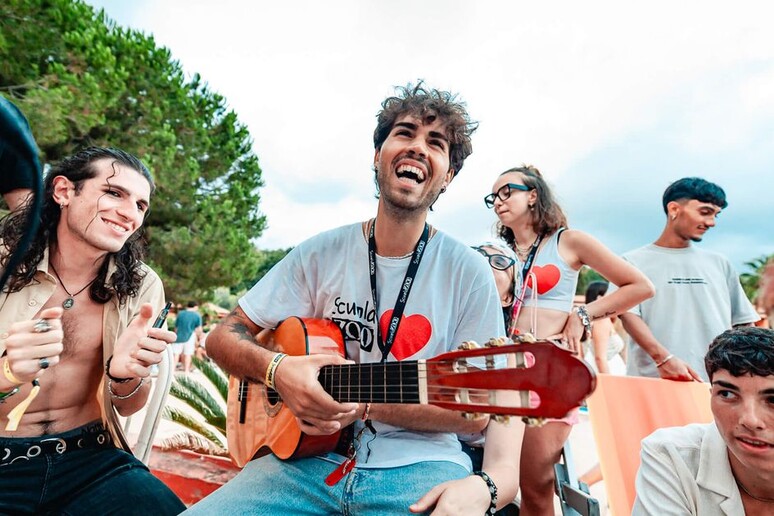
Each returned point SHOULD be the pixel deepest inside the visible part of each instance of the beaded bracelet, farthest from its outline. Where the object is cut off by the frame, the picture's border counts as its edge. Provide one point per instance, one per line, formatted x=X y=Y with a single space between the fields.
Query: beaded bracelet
x=110 y=376
x=583 y=315
x=492 y=491
x=271 y=369
x=115 y=395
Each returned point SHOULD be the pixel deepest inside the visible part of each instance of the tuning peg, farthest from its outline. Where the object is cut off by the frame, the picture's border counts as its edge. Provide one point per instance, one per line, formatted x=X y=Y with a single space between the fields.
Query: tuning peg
x=534 y=421
x=501 y=419
x=469 y=344
x=495 y=342
x=525 y=337
x=470 y=415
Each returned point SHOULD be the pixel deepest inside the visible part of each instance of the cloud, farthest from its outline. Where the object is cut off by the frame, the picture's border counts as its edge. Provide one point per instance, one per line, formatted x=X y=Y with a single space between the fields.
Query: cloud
x=610 y=100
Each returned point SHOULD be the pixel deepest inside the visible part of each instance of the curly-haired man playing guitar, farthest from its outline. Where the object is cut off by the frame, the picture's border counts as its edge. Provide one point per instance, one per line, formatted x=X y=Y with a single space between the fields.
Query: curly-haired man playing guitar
x=408 y=456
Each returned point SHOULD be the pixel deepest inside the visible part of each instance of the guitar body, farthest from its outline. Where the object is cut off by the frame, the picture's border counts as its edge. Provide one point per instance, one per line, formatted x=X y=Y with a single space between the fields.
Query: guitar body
x=258 y=421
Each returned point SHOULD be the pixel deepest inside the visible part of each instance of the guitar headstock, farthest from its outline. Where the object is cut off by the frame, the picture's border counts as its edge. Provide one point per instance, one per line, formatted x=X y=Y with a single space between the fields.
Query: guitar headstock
x=498 y=379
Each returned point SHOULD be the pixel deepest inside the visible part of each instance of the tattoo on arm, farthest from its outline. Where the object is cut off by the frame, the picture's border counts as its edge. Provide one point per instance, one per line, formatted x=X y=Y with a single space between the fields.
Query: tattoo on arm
x=240 y=329
x=604 y=316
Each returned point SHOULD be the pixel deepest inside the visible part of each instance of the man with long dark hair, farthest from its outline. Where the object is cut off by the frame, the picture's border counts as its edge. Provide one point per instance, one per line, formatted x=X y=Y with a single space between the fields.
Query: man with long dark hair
x=76 y=343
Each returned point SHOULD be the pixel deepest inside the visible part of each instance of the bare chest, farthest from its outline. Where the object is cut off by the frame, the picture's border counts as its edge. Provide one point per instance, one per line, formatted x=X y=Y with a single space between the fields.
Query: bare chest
x=81 y=325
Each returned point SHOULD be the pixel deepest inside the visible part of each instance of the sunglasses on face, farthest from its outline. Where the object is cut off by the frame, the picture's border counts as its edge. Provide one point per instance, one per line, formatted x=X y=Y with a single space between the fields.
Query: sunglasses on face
x=496 y=260
x=504 y=193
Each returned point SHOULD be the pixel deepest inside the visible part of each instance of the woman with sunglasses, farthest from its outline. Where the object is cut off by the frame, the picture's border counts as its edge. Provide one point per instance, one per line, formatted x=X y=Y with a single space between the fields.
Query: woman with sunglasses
x=501 y=259
x=549 y=257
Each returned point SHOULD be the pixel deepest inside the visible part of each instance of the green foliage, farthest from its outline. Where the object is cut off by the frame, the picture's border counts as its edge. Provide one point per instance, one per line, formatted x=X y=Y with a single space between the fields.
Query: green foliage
x=268 y=259
x=201 y=433
x=214 y=374
x=585 y=276
x=206 y=429
x=82 y=80
x=751 y=280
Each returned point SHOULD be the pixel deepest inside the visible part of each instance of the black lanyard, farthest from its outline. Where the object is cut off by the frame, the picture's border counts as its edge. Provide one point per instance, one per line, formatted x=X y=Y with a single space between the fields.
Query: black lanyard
x=408 y=281
x=530 y=258
x=517 y=303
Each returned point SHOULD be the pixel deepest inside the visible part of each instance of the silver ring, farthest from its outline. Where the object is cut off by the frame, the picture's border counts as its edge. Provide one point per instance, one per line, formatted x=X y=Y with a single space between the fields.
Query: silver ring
x=43 y=363
x=42 y=326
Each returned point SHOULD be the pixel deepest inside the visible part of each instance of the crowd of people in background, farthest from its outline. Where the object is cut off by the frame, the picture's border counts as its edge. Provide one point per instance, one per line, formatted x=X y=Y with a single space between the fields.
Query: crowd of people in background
x=81 y=306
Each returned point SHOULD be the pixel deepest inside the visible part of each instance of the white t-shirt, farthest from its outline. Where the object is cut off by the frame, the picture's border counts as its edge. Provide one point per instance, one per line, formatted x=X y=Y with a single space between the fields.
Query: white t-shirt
x=453 y=299
x=698 y=297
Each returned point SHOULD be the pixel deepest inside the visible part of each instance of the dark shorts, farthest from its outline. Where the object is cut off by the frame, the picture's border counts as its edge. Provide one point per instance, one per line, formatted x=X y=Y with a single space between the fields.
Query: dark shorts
x=78 y=472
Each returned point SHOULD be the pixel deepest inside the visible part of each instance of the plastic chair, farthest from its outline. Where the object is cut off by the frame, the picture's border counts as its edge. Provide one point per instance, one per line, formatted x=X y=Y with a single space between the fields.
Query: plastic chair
x=624 y=410
x=153 y=409
x=574 y=496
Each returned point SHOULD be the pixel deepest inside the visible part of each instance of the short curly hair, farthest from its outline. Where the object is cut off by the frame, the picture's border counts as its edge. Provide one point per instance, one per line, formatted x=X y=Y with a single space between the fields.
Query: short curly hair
x=742 y=351
x=428 y=104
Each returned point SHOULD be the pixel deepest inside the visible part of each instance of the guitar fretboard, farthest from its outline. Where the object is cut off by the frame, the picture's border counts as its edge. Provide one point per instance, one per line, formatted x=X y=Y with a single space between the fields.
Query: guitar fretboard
x=392 y=382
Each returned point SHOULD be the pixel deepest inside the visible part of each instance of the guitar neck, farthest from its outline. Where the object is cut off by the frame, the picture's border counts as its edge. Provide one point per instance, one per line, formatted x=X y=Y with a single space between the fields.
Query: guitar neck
x=391 y=382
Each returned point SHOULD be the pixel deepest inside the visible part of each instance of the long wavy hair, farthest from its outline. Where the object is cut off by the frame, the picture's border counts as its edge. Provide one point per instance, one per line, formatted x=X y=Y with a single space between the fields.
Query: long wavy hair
x=547 y=215
x=125 y=281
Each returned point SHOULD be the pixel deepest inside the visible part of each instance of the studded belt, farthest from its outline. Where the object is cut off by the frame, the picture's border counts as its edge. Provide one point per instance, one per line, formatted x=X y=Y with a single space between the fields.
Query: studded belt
x=91 y=435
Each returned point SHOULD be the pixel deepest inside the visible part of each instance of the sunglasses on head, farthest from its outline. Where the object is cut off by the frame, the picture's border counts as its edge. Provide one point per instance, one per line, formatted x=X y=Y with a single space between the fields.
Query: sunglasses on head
x=504 y=193
x=497 y=260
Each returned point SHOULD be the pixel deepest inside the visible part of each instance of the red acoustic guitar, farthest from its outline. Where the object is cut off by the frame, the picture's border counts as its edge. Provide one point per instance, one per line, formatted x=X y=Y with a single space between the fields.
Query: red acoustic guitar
x=259 y=423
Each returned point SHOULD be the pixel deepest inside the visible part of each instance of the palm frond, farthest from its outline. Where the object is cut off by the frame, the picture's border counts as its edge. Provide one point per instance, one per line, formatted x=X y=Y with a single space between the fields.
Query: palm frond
x=185 y=420
x=189 y=441
x=214 y=374
x=195 y=395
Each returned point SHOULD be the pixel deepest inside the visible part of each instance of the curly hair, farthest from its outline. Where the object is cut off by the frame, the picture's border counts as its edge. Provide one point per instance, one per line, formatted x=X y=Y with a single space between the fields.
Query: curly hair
x=78 y=168
x=547 y=215
x=429 y=104
x=742 y=351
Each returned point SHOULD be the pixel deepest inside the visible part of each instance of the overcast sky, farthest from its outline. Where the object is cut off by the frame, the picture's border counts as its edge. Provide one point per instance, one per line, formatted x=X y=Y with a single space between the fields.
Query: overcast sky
x=610 y=100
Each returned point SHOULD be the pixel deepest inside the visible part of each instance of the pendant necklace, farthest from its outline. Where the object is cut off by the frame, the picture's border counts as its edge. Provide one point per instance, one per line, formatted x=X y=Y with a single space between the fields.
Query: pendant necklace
x=70 y=301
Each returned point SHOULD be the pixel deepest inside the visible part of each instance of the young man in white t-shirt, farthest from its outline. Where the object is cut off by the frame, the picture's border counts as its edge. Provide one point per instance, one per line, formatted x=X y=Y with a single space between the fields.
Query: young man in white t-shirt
x=407 y=457
x=698 y=294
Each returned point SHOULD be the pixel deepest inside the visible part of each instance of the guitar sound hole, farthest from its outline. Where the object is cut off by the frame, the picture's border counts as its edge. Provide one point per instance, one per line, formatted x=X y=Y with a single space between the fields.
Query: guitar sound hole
x=272 y=396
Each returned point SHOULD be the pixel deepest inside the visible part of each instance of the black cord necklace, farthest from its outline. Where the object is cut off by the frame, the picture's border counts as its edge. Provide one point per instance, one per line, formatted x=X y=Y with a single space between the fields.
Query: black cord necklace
x=70 y=301
x=759 y=498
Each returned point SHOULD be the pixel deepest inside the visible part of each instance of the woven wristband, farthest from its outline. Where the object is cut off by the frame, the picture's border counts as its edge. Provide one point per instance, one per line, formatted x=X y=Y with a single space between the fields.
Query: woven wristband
x=492 y=491
x=9 y=374
x=272 y=368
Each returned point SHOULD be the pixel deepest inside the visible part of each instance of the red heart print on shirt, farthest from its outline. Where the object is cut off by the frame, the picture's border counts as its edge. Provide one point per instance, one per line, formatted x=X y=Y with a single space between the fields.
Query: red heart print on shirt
x=413 y=334
x=547 y=277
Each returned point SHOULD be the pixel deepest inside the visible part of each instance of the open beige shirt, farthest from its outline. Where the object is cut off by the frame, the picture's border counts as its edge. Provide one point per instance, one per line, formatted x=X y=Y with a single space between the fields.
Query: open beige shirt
x=685 y=470
x=23 y=305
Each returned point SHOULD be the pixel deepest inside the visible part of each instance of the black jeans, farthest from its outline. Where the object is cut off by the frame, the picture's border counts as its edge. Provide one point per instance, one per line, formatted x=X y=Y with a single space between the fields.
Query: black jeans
x=78 y=472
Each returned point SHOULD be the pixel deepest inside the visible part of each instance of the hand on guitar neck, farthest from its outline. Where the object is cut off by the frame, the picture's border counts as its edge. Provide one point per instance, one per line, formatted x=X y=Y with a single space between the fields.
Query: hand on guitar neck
x=317 y=413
